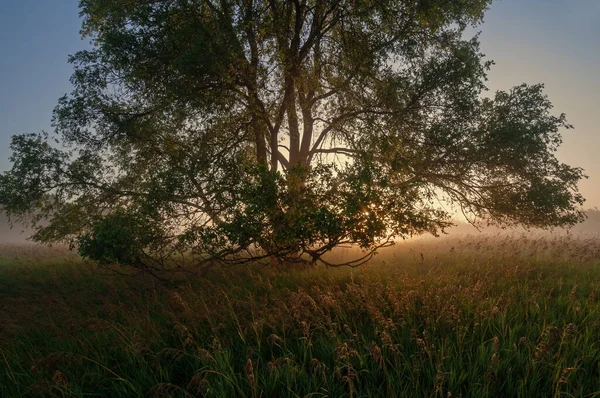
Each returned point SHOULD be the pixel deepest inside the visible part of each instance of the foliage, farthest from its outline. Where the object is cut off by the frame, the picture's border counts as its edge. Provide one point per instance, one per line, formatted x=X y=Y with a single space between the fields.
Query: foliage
x=280 y=129
x=483 y=317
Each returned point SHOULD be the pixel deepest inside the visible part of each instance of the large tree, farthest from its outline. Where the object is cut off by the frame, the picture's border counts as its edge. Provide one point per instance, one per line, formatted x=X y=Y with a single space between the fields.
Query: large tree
x=280 y=129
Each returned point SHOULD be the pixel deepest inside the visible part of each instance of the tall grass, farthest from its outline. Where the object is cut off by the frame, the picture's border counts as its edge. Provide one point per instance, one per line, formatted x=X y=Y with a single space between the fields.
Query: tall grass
x=492 y=316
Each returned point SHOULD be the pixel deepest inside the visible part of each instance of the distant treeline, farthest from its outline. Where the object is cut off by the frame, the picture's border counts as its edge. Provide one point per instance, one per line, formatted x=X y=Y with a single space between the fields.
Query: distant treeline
x=591 y=226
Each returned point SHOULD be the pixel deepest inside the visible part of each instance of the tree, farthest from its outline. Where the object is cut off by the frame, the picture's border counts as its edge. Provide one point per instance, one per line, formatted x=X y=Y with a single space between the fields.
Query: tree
x=279 y=129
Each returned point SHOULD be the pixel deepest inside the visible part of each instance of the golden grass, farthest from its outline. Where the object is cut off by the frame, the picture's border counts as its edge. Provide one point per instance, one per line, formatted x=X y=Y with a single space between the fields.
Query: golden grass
x=469 y=316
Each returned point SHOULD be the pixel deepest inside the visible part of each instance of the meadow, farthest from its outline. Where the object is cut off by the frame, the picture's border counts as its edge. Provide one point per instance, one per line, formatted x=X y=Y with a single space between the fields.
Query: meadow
x=456 y=317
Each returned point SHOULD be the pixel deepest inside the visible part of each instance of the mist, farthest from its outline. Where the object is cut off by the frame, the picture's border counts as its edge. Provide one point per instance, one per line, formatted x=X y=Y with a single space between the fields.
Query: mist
x=17 y=234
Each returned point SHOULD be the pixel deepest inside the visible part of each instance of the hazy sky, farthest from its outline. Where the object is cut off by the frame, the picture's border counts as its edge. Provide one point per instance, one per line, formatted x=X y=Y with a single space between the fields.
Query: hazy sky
x=552 y=41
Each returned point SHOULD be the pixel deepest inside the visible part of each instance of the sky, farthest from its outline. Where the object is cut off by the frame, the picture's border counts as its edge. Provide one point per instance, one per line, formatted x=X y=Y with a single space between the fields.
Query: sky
x=556 y=42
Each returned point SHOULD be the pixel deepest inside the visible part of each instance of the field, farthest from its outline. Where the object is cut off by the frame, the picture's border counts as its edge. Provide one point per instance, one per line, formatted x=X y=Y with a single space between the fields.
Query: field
x=477 y=316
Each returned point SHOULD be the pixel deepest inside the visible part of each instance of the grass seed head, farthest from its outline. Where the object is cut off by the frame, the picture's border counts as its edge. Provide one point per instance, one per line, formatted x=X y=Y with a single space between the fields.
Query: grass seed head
x=249 y=370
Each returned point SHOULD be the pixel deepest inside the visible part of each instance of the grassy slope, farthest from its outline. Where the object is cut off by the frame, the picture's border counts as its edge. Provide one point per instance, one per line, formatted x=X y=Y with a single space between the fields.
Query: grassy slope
x=486 y=316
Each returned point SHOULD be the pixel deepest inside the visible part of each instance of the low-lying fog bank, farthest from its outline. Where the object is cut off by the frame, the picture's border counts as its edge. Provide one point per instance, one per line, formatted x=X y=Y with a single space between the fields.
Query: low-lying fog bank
x=15 y=235
x=588 y=229
x=18 y=234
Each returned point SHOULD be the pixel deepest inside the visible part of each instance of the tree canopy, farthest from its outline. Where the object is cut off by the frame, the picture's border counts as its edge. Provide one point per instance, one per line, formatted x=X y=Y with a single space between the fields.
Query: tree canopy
x=279 y=129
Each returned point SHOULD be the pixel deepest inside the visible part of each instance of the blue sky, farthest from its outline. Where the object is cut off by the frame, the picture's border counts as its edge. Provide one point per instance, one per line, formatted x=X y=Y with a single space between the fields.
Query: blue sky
x=556 y=42
x=552 y=41
x=36 y=38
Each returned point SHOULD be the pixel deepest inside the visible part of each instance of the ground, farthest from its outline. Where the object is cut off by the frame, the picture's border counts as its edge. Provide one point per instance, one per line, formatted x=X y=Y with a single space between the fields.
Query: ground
x=472 y=316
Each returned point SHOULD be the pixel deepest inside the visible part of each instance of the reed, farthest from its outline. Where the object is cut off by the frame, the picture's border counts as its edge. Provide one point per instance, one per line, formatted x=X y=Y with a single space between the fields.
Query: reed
x=475 y=316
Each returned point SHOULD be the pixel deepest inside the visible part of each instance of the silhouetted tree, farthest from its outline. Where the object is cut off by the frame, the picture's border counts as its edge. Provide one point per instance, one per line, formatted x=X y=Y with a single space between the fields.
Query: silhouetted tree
x=280 y=129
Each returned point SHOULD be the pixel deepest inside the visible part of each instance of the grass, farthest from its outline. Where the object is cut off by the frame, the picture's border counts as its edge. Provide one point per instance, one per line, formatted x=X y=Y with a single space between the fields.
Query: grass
x=487 y=316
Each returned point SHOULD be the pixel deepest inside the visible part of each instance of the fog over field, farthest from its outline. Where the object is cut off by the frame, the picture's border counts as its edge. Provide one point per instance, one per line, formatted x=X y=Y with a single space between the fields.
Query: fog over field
x=589 y=228
x=18 y=234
